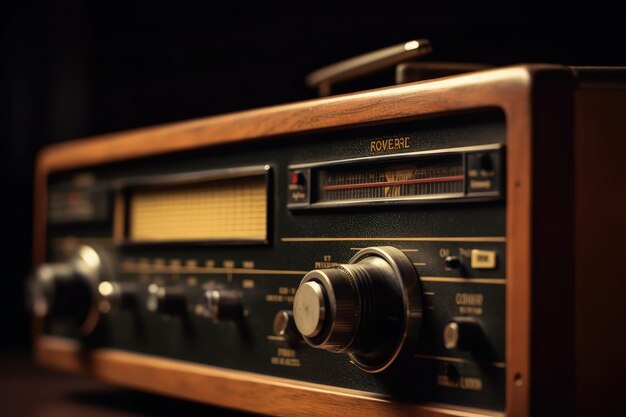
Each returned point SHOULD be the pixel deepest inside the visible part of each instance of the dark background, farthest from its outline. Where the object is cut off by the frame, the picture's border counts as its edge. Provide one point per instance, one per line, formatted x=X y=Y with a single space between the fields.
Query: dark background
x=72 y=69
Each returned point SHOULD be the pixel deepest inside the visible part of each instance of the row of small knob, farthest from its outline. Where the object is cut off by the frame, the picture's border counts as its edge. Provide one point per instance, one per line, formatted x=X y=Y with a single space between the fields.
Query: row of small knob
x=79 y=289
x=173 y=300
x=461 y=332
x=369 y=308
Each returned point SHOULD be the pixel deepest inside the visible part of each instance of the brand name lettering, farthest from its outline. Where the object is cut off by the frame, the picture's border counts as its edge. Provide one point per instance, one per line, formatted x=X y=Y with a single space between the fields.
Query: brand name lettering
x=383 y=145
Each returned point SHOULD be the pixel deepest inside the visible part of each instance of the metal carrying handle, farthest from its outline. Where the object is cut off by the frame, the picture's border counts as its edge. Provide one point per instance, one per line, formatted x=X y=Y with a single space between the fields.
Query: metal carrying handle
x=323 y=78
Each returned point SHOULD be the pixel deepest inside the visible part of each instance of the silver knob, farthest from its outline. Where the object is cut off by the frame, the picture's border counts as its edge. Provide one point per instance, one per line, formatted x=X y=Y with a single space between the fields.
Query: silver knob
x=310 y=308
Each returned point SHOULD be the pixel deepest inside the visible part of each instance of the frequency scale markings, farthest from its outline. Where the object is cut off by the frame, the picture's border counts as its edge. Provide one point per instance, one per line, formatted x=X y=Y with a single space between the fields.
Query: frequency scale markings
x=136 y=268
x=392 y=183
x=424 y=176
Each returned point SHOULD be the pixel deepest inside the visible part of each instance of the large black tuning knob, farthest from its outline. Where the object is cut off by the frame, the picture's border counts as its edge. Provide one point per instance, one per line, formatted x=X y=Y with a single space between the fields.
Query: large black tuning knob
x=68 y=289
x=369 y=308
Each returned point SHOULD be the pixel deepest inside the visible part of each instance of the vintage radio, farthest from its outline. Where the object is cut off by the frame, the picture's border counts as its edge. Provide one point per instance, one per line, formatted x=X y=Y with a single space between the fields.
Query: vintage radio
x=440 y=248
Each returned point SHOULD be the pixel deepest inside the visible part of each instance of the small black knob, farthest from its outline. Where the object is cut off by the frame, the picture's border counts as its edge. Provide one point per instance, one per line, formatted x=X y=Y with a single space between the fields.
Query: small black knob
x=167 y=300
x=223 y=305
x=463 y=333
x=118 y=295
x=285 y=326
x=452 y=262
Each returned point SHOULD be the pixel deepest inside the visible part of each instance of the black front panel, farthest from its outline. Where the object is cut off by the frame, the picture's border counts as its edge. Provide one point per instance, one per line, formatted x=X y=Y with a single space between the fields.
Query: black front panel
x=456 y=244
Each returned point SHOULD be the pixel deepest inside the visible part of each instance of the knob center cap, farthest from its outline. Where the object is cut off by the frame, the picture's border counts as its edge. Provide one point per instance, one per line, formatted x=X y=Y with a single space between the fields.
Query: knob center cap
x=309 y=308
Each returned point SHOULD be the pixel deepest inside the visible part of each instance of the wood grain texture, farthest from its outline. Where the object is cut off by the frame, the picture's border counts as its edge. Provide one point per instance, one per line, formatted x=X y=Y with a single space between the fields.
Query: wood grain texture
x=509 y=89
x=600 y=246
x=552 y=234
x=255 y=393
x=477 y=90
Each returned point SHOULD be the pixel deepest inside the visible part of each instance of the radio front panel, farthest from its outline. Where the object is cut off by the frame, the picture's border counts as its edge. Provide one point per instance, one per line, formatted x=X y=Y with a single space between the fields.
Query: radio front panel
x=202 y=253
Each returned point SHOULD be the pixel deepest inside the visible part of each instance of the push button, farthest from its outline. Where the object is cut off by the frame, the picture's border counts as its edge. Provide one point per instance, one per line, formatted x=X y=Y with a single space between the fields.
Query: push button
x=483 y=259
x=297 y=178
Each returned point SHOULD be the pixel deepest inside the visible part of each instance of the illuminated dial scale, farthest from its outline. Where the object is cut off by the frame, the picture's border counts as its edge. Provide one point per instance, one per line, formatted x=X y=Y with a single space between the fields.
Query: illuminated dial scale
x=422 y=176
x=278 y=298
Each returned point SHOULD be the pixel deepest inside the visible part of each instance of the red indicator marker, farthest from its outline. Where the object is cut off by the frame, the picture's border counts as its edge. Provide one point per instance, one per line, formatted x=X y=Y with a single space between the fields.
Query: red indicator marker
x=392 y=183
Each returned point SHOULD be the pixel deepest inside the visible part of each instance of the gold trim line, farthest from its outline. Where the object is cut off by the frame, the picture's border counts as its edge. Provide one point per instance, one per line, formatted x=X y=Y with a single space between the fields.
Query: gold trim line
x=204 y=270
x=496 y=281
x=490 y=239
x=276 y=338
x=459 y=360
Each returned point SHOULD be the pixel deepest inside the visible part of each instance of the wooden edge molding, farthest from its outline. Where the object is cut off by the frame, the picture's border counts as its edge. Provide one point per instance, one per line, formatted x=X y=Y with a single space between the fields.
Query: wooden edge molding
x=229 y=388
x=508 y=89
x=475 y=90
